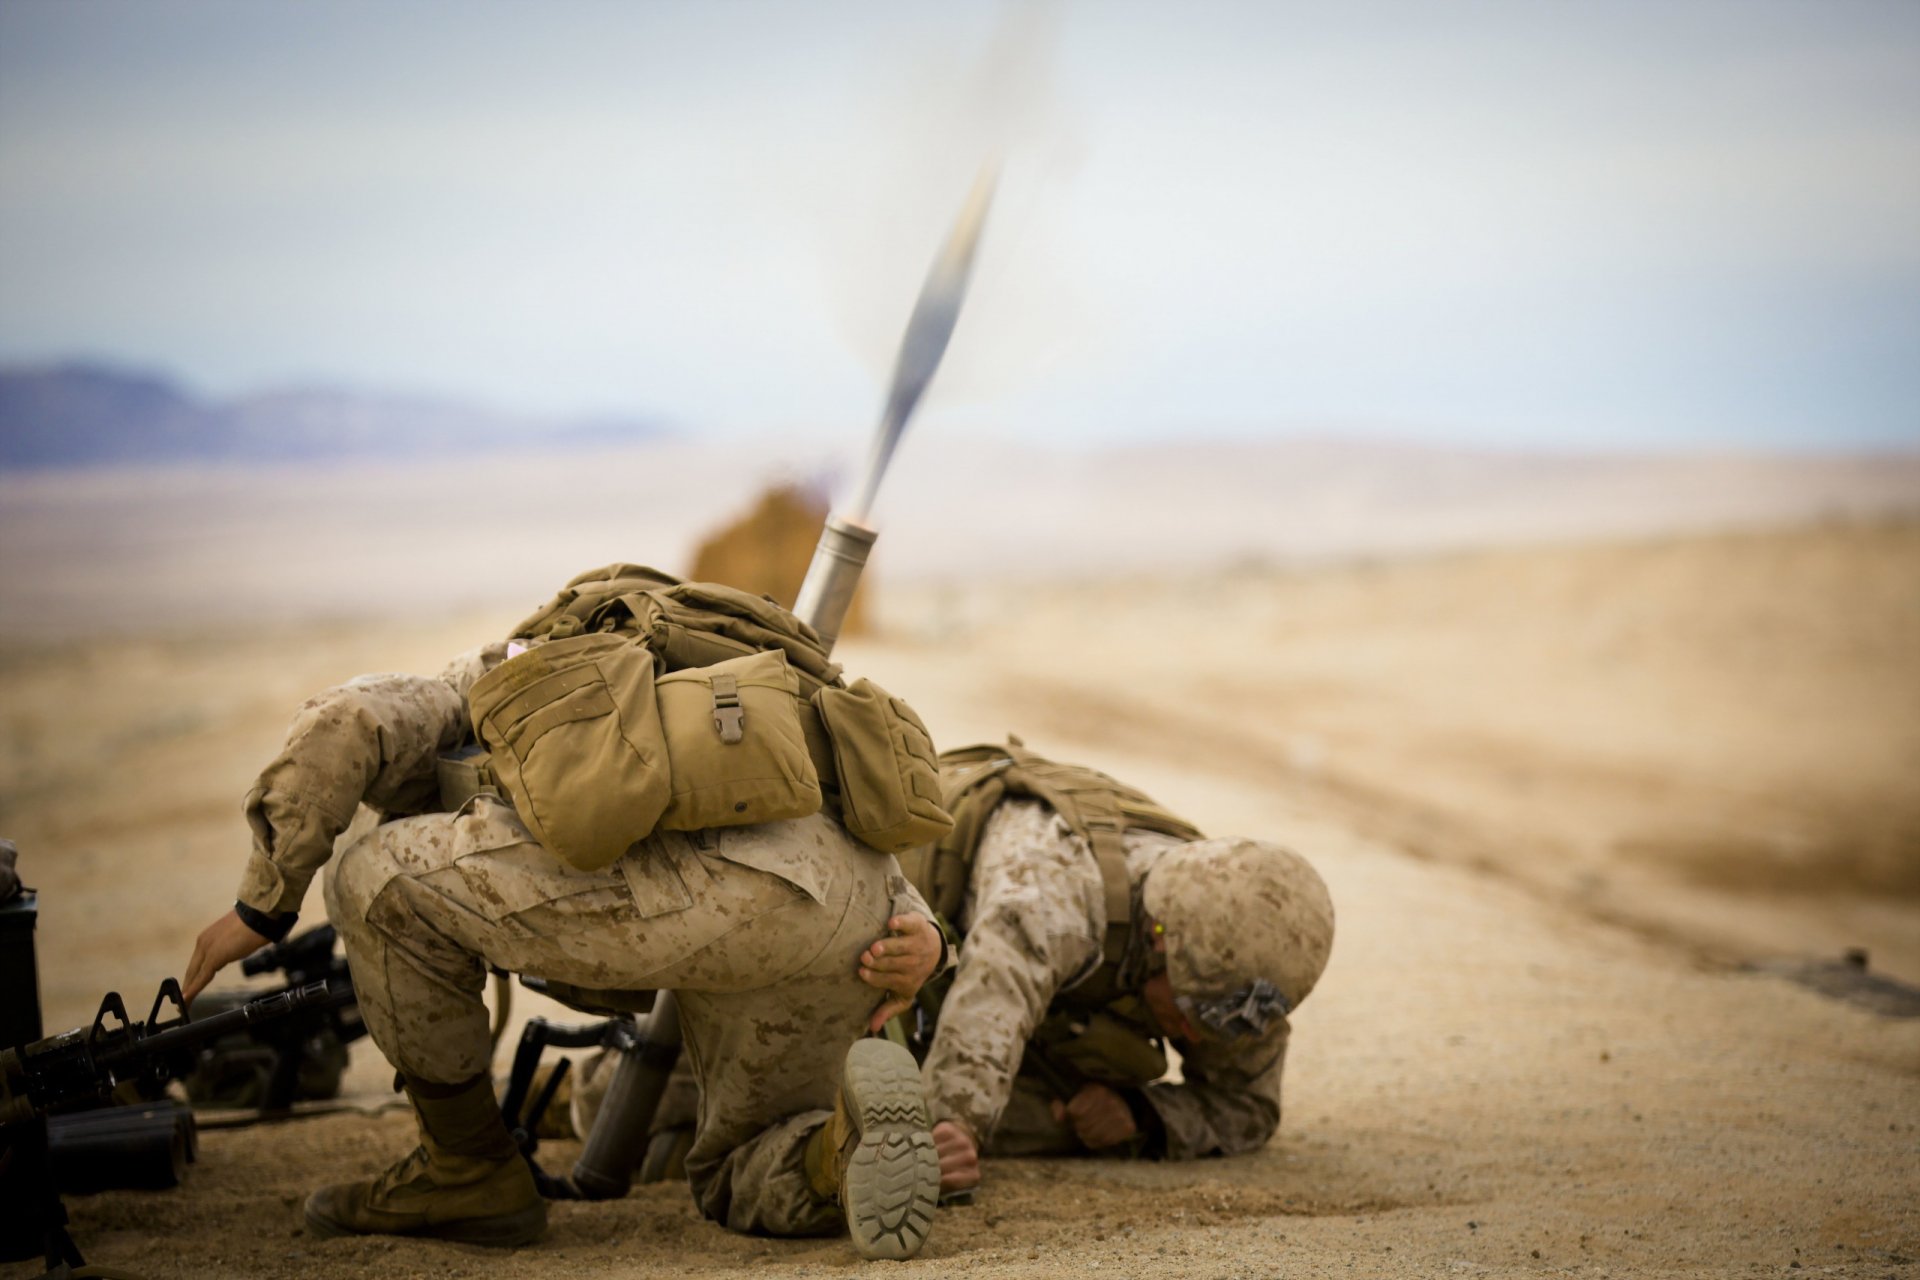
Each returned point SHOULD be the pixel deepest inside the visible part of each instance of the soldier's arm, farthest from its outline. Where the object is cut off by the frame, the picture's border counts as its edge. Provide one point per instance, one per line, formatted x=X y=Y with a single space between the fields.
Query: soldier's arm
x=999 y=995
x=373 y=741
x=1034 y=931
x=1229 y=1102
x=471 y=665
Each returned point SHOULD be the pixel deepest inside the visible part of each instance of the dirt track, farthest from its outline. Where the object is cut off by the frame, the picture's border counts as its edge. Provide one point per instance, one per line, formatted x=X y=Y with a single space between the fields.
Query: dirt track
x=1558 y=795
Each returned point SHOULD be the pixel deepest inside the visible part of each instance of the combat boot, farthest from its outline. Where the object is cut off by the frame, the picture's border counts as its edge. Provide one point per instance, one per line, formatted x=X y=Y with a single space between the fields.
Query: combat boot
x=876 y=1154
x=466 y=1180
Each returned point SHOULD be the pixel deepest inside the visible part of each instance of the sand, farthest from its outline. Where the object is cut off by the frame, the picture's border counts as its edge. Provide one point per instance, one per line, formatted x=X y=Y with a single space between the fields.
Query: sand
x=1564 y=797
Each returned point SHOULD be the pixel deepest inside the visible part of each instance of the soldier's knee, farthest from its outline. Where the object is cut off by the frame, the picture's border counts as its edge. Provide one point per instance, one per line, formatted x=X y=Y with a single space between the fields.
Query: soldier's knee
x=357 y=875
x=329 y=878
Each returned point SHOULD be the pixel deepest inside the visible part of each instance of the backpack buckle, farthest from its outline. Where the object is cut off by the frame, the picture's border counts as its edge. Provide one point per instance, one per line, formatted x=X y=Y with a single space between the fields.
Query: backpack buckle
x=729 y=719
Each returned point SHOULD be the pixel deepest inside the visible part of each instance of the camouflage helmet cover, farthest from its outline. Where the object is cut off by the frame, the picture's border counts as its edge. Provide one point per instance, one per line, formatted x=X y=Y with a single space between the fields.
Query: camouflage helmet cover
x=1240 y=916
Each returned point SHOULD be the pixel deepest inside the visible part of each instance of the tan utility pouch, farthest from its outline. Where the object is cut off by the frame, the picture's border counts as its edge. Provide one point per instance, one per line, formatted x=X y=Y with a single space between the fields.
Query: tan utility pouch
x=464 y=774
x=734 y=738
x=1102 y=1047
x=576 y=743
x=889 y=775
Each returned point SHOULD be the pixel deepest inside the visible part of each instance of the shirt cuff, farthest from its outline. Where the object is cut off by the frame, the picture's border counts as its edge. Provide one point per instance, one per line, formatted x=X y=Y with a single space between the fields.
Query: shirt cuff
x=267 y=888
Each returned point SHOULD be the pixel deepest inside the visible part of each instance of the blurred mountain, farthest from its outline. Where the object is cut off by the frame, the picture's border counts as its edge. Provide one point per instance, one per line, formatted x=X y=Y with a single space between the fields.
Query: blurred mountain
x=84 y=415
x=369 y=536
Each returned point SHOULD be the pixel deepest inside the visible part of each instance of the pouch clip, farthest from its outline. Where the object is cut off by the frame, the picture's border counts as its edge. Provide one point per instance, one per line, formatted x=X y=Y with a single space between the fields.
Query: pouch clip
x=728 y=717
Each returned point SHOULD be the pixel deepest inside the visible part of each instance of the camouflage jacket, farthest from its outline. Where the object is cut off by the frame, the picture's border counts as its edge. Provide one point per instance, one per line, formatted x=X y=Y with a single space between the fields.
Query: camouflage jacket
x=1033 y=923
x=373 y=740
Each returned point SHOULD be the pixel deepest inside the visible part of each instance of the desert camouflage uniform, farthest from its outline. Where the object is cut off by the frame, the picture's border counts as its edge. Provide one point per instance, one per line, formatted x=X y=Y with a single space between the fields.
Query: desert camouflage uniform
x=1033 y=922
x=758 y=929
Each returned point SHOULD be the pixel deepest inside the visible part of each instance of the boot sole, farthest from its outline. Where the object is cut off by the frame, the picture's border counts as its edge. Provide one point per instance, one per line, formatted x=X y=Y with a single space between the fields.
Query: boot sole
x=502 y=1231
x=892 y=1182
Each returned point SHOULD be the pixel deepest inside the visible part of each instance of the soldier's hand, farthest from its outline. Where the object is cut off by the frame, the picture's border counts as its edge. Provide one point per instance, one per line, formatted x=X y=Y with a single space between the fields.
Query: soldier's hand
x=900 y=963
x=959 y=1157
x=219 y=945
x=1100 y=1117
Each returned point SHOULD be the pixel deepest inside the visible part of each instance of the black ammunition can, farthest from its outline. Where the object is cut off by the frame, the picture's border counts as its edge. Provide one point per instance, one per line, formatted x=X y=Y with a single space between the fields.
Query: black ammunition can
x=19 y=975
x=25 y=1186
x=144 y=1147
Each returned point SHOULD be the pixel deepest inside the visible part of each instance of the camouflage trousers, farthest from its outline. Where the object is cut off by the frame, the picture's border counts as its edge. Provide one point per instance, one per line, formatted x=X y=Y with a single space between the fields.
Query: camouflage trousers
x=758 y=930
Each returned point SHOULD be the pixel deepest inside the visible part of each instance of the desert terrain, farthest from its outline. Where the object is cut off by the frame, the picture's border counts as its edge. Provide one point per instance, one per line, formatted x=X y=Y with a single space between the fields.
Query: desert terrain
x=1585 y=808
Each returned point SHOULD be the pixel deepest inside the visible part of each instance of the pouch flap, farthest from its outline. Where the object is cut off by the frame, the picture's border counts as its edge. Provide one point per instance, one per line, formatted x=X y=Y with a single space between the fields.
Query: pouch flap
x=782 y=849
x=736 y=744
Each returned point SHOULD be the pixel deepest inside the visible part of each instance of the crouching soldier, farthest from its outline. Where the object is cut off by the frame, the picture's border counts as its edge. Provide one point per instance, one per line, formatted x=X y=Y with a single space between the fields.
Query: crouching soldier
x=803 y=1127
x=1096 y=927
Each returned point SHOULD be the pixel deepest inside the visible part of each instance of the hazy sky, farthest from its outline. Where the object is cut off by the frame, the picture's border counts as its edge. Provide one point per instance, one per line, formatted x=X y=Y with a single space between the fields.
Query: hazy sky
x=1545 y=224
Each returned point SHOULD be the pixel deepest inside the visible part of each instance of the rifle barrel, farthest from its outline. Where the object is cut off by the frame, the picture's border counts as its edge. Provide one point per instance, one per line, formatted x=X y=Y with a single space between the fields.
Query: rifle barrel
x=187 y=1034
x=75 y=1065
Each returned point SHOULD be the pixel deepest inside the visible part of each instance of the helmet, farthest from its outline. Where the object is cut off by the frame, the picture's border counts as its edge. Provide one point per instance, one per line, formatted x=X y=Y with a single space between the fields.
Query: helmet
x=1248 y=926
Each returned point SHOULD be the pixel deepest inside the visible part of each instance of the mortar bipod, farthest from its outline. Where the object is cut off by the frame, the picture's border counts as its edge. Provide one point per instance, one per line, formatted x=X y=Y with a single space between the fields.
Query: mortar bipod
x=647 y=1050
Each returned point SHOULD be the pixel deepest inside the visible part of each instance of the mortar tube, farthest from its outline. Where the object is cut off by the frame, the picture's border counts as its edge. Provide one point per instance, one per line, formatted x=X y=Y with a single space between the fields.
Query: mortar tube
x=618 y=1141
x=838 y=560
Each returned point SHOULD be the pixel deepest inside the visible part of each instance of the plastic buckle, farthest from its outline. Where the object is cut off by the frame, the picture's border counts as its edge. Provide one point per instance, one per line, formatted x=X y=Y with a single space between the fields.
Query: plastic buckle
x=729 y=718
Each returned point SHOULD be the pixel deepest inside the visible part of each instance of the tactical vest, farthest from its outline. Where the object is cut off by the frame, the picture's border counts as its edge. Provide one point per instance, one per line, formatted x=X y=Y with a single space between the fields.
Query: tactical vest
x=1101 y=1029
x=1095 y=807
x=684 y=705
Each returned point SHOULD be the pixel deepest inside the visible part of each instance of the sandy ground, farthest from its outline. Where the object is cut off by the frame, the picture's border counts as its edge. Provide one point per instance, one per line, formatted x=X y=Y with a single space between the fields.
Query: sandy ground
x=1561 y=798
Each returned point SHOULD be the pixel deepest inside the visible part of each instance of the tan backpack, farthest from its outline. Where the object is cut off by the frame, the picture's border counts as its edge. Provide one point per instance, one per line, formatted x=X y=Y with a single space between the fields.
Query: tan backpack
x=648 y=702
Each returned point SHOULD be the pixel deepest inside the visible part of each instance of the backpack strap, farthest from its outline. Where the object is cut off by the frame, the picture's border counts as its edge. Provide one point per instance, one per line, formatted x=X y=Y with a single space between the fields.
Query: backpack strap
x=969 y=791
x=1093 y=812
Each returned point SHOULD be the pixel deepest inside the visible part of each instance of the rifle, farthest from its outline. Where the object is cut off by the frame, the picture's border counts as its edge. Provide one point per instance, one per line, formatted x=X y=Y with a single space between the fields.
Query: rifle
x=88 y=1064
x=272 y=1065
x=49 y=1079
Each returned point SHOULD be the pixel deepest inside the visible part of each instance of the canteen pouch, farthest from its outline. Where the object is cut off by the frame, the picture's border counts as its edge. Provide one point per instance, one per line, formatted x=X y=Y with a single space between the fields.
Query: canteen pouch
x=575 y=742
x=1100 y=1046
x=889 y=774
x=735 y=743
x=464 y=774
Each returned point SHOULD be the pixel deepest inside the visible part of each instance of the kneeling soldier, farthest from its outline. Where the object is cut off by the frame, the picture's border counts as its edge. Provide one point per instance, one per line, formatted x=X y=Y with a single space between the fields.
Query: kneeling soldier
x=803 y=1127
x=1094 y=927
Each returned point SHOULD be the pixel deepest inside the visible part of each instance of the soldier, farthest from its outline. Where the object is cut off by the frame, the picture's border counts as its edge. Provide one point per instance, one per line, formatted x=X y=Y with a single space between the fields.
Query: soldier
x=760 y=929
x=1096 y=926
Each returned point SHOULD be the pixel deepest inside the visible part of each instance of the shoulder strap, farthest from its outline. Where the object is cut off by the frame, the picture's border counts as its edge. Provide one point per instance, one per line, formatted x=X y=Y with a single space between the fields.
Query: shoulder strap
x=970 y=789
x=1091 y=808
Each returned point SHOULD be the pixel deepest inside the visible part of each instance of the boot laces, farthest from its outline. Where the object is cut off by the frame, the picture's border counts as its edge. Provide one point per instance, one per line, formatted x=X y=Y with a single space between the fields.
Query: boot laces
x=411 y=1169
